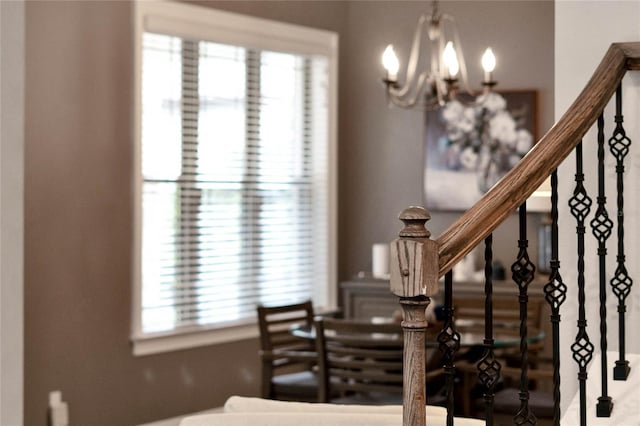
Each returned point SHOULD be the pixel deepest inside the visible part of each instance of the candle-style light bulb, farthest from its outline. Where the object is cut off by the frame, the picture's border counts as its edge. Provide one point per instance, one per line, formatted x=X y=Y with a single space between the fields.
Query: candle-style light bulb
x=390 y=63
x=488 y=64
x=450 y=60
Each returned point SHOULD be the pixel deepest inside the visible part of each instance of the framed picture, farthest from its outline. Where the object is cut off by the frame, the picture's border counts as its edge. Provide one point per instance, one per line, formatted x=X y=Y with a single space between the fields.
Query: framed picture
x=471 y=143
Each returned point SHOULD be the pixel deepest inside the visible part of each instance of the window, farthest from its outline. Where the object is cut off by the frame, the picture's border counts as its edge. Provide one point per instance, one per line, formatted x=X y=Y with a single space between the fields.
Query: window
x=235 y=172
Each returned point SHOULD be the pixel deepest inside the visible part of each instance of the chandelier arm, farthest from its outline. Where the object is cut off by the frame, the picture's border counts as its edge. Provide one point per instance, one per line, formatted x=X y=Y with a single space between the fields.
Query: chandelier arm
x=414 y=57
x=401 y=100
x=437 y=68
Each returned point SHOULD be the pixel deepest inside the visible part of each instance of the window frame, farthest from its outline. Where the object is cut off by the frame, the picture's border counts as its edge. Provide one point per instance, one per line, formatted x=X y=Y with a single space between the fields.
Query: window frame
x=235 y=29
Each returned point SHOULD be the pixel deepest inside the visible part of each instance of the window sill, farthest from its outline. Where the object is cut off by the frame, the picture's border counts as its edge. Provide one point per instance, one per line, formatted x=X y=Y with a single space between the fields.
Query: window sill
x=151 y=344
x=160 y=343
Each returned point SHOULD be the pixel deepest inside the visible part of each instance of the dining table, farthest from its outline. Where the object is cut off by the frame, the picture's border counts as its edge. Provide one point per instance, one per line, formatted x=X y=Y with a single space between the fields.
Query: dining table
x=472 y=334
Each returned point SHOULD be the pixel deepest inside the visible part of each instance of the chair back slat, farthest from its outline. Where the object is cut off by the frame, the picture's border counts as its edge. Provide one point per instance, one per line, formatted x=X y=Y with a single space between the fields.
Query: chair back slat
x=367 y=378
x=358 y=357
x=364 y=388
x=364 y=351
x=375 y=366
x=275 y=321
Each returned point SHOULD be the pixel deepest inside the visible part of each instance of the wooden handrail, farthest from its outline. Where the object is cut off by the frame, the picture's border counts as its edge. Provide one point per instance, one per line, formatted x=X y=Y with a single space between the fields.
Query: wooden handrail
x=521 y=182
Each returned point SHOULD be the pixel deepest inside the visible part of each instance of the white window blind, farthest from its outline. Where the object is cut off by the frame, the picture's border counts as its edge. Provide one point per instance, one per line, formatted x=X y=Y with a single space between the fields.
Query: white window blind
x=235 y=183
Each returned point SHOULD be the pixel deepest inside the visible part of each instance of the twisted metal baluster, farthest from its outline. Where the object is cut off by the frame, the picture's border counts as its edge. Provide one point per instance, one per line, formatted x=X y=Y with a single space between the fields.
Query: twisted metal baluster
x=488 y=366
x=601 y=227
x=555 y=294
x=582 y=348
x=621 y=282
x=523 y=271
x=449 y=343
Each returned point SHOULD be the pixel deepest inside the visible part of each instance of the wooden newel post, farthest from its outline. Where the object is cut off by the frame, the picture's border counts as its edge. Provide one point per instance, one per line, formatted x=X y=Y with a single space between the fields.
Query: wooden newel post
x=414 y=278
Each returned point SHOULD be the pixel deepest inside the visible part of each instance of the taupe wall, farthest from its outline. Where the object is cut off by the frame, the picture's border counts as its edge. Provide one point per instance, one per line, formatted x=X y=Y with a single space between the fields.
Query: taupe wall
x=78 y=227
x=381 y=149
x=78 y=206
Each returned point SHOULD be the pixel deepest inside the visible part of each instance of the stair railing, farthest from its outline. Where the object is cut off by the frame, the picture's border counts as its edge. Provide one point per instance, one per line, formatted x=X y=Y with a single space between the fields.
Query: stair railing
x=417 y=262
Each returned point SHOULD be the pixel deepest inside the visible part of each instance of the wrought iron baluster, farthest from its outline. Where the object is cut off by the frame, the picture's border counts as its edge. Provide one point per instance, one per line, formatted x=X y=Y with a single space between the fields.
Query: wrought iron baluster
x=488 y=366
x=621 y=282
x=449 y=343
x=555 y=293
x=601 y=227
x=582 y=348
x=523 y=271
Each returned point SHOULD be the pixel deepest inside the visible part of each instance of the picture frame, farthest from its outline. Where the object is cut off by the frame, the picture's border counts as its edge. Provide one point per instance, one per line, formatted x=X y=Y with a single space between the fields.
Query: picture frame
x=470 y=143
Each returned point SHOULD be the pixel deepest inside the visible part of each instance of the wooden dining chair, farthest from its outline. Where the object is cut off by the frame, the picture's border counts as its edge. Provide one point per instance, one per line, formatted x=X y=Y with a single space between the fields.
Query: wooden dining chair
x=288 y=363
x=359 y=361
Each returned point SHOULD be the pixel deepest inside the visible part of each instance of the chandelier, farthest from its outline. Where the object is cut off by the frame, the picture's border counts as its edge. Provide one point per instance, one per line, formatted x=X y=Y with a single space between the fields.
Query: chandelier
x=438 y=83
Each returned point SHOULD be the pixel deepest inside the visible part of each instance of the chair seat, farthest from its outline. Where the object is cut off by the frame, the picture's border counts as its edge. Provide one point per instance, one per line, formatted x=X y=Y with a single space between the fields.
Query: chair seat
x=300 y=384
x=507 y=400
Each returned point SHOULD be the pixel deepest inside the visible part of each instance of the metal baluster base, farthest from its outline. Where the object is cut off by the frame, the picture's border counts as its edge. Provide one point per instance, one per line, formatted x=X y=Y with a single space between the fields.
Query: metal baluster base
x=604 y=406
x=621 y=370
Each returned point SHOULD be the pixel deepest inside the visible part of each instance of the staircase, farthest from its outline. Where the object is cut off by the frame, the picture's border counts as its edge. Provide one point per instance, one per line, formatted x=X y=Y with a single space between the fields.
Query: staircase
x=605 y=379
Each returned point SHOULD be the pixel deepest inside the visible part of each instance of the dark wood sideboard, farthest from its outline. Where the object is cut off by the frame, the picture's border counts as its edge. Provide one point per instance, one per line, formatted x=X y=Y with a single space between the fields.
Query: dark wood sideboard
x=367 y=297
x=364 y=298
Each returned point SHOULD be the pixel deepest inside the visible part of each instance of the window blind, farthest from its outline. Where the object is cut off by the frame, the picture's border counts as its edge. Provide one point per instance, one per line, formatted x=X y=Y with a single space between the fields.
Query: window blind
x=234 y=181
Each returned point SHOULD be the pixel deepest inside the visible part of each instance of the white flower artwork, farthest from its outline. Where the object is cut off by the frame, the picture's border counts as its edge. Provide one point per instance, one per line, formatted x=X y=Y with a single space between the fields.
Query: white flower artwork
x=471 y=144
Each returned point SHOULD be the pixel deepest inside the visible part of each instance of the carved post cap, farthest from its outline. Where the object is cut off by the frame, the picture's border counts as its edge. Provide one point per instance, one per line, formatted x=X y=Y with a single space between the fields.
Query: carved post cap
x=414 y=219
x=414 y=257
